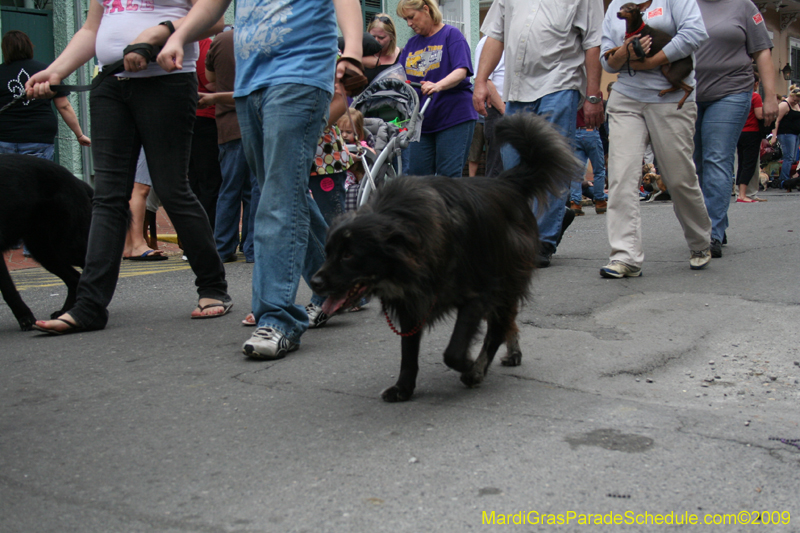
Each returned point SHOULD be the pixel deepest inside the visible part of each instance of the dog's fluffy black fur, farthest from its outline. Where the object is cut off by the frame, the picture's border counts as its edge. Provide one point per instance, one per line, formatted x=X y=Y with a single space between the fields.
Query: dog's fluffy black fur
x=429 y=245
x=43 y=204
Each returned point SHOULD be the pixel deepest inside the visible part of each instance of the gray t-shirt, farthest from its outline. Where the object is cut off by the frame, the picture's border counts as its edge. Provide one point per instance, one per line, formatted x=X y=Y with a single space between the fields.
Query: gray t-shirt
x=736 y=30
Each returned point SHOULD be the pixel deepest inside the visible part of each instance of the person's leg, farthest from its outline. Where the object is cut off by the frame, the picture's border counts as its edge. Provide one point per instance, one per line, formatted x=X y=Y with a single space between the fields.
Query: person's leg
x=561 y=110
x=281 y=126
x=626 y=147
x=789 y=148
x=421 y=158
x=115 y=147
x=452 y=145
x=235 y=174
x=205 y=176
x=717 y=131
x=164 y=113
x=494 y=162
x=576 y=187
x=252 y=202
x=748 y=148
x=672 y=134
x=593 y=146
x=476 y=148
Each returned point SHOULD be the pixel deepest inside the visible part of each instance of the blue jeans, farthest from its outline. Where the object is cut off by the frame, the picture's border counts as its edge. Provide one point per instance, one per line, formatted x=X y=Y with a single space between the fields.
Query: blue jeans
x=42 y=150
x=328 y=192
x=281 y=126
x=157 y=113
x=561 y=109
x=589 y=147
x=789 y=146
x=239 y=190
x=443 y=153
x=717 y=130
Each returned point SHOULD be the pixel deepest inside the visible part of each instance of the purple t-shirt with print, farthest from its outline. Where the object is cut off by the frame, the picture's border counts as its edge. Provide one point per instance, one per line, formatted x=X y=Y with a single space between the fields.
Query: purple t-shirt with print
x=432 y=59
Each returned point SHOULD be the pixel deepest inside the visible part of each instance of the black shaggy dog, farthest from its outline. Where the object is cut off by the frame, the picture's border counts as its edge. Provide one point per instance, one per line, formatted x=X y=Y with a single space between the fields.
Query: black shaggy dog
x=429 y=245
x=50 y=209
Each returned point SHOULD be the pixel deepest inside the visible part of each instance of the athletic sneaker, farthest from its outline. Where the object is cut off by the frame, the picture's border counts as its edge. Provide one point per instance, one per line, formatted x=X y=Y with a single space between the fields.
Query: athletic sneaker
x=700 y=259
x=316 y=318
x=618 y=269
x=268 y=344
x=716 y=248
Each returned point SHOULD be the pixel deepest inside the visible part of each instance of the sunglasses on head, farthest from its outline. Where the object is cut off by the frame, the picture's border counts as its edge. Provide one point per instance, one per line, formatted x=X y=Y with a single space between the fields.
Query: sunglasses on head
x=385 y=20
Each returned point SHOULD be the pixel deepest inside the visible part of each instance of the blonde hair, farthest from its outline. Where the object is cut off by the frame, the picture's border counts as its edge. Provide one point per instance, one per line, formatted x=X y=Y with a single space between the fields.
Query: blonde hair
x=433 y=7
x=388 y=27
x=794 y=90
x=358 y=123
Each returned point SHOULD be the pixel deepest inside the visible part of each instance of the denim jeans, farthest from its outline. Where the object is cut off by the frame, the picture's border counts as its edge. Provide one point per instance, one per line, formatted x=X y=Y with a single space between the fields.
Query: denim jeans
x=717 y=130
x=789 y=146
x=157 y=113
x=589 y=147
x=560 y=109
x=42 y=150
x=281 y=126
x=328 y=192
x=443 y=153
x=239 y=190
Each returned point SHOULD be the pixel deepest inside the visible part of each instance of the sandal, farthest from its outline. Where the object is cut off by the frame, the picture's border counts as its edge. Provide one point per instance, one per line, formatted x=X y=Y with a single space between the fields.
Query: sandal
x=226 y=306
x=249 y=320
x=72 y=327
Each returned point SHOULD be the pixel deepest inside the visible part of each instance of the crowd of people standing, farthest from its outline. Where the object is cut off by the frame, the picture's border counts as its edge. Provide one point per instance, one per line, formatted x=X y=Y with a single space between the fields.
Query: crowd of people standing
x=281 y=79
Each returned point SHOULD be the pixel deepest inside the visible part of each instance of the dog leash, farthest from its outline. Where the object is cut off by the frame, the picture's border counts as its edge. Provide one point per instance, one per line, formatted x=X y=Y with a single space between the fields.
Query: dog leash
x=146 y=50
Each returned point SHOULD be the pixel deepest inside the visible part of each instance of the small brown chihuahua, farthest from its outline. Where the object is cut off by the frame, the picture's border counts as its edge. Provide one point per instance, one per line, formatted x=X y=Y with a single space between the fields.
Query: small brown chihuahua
x=676 y=71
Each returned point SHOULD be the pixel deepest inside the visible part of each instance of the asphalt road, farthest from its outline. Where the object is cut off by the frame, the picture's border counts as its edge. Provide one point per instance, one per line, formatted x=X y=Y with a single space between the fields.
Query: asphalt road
x=657 y=396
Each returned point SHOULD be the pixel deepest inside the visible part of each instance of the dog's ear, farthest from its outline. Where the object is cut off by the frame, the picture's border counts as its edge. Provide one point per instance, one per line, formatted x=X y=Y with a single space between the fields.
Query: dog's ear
x=644 y=5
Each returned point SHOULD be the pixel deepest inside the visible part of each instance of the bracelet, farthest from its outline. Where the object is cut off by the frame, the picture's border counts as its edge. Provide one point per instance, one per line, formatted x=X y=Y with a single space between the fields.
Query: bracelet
x=170 y=26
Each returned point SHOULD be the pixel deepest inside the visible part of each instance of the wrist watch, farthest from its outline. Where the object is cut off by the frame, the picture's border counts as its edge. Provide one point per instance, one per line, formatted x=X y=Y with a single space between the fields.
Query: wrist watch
x=595 y=99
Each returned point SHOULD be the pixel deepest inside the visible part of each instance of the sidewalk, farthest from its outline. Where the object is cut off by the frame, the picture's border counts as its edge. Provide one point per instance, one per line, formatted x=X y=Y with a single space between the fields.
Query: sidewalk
x=167 y=239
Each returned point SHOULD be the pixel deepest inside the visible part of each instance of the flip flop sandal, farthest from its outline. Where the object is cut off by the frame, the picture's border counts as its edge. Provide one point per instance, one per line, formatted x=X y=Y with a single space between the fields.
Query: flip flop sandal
x=73 y=327
x=147 y=256
x=226 y=306
x=249 y=320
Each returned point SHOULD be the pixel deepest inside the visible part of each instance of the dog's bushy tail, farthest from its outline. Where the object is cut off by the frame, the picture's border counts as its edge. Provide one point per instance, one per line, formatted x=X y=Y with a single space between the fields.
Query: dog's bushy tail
x=547 y=163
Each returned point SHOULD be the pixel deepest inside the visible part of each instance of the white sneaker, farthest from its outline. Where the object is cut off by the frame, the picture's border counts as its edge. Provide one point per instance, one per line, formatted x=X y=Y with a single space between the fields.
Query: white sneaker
x=618 y=269
x=267 y=343
x=700 y=259
x=316 y=318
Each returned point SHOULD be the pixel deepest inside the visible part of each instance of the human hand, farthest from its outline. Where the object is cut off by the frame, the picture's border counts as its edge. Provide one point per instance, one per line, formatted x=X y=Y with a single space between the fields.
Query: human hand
x=83 y=140
x=770 y=111
x=171 y=56
x=205 y=100
x=480 y=96
x=38 y=85
x=593 y=114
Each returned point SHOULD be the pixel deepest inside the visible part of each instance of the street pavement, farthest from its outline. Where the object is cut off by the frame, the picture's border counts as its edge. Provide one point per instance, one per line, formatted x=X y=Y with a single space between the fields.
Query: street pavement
x=639 y=400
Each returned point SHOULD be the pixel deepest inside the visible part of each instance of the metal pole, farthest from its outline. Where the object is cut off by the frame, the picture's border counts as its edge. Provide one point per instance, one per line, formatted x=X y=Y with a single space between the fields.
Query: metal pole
x=83 y=111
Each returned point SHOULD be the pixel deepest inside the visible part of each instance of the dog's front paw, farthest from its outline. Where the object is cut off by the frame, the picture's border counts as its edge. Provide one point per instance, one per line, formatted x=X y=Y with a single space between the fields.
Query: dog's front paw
x=396 y=394
x=26 y=323
x=473 y=378
x=512 y=358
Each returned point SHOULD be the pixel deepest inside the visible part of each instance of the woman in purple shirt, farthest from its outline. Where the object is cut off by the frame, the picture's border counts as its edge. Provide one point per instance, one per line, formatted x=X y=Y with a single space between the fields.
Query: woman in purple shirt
x=438 y=57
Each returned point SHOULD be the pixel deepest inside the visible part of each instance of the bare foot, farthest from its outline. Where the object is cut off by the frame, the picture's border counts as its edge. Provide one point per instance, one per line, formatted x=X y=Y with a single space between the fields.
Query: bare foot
x=249 y=320
x=142 y=252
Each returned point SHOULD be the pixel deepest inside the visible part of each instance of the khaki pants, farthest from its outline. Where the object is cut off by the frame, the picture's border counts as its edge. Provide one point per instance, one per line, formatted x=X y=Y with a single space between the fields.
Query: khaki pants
x=672 y=135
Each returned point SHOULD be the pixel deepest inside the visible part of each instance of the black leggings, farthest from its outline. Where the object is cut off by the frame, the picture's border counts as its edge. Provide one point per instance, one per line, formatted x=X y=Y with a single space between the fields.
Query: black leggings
x=748 y=149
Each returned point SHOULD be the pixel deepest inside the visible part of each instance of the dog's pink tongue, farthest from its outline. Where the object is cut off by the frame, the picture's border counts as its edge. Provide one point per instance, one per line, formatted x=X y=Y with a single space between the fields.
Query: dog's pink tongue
x=331 y=305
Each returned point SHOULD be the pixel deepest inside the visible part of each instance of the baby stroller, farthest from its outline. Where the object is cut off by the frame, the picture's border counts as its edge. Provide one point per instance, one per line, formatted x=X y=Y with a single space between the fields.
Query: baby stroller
x=392 y=115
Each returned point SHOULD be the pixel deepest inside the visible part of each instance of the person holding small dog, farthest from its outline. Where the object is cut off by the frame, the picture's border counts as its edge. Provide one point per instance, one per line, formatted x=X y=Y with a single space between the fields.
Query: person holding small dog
x=552 y=63
x=737 y=36
x=636 y=109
